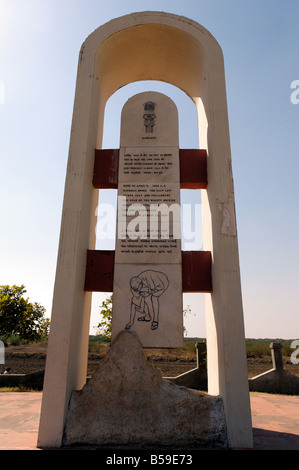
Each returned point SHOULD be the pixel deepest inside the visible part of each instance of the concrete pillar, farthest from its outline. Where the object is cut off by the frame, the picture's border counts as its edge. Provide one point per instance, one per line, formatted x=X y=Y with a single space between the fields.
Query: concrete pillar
x=276 y=356
x=2 y=353
x=201 y=350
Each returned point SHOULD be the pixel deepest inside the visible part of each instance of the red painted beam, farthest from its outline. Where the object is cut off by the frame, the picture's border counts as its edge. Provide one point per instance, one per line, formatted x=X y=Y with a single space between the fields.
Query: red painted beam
x=196 y=271
x=99 y=271
x=105 y=173
x=193 y=168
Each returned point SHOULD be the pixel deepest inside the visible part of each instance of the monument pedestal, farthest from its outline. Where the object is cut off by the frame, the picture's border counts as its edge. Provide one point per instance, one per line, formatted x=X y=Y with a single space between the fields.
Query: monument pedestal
x=127 y=403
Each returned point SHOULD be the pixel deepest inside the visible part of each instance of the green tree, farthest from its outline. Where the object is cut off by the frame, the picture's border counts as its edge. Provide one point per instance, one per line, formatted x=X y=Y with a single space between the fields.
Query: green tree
x=105 y=325
x=20 y=317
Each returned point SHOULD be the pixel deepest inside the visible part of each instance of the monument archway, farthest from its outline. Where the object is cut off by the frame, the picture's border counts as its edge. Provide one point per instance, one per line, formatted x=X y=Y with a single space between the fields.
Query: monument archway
x=177 y=50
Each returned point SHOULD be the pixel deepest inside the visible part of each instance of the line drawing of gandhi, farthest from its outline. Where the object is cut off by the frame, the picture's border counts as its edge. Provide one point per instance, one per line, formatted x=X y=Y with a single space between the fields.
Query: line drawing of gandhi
x=146 y=290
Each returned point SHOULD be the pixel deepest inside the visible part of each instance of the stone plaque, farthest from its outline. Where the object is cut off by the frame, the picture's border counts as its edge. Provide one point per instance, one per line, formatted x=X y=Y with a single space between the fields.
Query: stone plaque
x=154 y=164
x=147 y=298
x=147 y=293
x=148 y=223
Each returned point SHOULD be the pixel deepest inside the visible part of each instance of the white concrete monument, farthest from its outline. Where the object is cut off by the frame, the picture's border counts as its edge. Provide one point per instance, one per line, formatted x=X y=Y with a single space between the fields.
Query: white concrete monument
x=147 y=46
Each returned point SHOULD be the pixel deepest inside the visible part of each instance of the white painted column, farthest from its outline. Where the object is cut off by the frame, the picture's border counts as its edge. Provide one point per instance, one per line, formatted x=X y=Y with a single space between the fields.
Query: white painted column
x=226 y=352
x=66 y=363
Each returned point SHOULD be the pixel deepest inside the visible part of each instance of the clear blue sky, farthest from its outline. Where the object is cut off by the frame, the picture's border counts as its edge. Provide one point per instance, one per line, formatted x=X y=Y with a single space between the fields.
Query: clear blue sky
x=39 y=46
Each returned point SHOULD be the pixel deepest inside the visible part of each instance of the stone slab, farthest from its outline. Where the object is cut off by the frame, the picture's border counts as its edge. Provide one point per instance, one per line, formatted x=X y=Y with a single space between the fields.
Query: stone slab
x=153 y=251
x=128 y=403
x=149 y=214
x=149 y=164
x=163 y=306
x=149 y=224
x=149 y=119
x=150 y=195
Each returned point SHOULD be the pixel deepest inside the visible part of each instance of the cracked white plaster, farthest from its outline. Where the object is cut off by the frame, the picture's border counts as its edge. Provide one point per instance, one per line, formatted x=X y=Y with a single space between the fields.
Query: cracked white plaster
x=228 y=226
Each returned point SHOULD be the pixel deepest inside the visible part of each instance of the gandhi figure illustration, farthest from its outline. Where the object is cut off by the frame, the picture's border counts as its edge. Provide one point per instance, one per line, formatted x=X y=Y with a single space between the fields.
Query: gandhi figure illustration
x=146 y=289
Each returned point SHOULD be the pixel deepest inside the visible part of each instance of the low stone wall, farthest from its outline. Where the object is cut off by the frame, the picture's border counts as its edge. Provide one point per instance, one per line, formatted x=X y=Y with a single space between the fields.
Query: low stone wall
x=197 y=378
x=276 y=380
x=34 y=380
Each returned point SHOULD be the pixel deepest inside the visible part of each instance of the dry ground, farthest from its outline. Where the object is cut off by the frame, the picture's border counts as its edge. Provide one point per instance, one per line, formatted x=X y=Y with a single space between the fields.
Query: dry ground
x=31 y=358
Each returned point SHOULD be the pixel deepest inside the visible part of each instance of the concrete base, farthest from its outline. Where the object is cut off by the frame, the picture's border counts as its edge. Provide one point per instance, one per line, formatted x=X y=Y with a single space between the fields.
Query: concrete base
x=34 y=380
x=275 y=381
x=195 y=378
x=128 y=403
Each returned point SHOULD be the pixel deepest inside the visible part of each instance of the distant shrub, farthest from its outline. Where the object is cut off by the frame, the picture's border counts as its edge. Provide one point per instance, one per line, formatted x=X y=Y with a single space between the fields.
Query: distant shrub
x=189 y=346
x=257 y=348
x=14 y=340
x=261 y=347
x=98 y=344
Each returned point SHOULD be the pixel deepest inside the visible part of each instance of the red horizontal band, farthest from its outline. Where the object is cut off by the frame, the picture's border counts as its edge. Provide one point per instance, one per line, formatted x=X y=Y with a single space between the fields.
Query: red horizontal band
x=193 y=169
x=196 y=271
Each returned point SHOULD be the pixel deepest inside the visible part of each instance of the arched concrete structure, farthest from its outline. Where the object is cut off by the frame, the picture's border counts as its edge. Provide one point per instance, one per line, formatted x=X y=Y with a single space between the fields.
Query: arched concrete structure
x=144 y=46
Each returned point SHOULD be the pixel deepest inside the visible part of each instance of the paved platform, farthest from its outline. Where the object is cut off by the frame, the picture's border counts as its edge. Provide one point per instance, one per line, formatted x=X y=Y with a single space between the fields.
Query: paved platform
x=275 y=421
